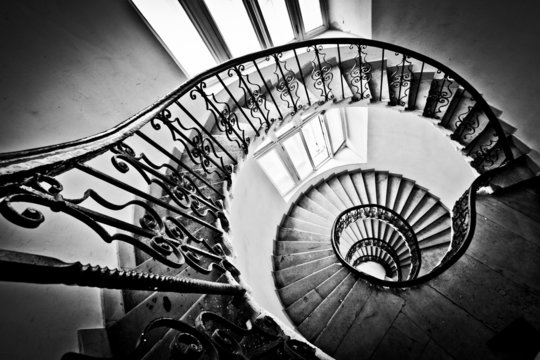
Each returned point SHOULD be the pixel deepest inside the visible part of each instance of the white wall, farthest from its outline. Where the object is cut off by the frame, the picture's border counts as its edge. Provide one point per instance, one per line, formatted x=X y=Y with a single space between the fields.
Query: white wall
x=351 y=16
x=410 y=145
x=70 y=69
x=492 y=44
x=255 y=212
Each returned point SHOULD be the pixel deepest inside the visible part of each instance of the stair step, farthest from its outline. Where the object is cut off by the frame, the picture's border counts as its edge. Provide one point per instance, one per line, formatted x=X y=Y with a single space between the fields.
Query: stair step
x=308 y=216
x=441 y=224
x=373 y=321
x=419 y=91
x=404 y=191
x=358 y=182
x=304 y=306
x=313 y=206
x=292 y=247
x=292 y=292
x=436 y=240
x=292 y=234
x=315 y=322
x=292 y=274
x=286 y=261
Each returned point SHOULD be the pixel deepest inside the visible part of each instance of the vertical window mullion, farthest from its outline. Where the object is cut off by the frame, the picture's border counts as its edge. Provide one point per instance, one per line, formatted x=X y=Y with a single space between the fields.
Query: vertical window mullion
x=306 y=149
x=296 y=18
x=327 y=138
x=259 y=25
x=201 y=18
x=288 y=163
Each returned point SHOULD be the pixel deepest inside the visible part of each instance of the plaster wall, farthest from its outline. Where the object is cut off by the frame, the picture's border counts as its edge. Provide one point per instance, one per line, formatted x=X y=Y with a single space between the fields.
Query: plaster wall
x=255 y=212
x=491 y=44
x=351 y=16
x=74 y=68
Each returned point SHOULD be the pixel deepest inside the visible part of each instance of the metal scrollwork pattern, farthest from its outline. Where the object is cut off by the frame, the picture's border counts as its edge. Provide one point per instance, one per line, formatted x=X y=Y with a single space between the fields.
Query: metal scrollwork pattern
x=360 y=74
x=264 y=339
x=321 y=73
x=382 y=213
x=400 y=81
x=225 y=119
x=253 y=97
x=287 y=84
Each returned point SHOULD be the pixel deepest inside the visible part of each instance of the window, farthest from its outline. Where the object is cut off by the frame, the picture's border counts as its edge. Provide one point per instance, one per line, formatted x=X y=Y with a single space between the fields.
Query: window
x=300 y=147
x=200 y=34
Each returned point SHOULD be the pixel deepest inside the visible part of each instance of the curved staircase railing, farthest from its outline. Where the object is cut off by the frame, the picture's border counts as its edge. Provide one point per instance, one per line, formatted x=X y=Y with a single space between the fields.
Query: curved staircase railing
x=390 y=217
x=182 y=150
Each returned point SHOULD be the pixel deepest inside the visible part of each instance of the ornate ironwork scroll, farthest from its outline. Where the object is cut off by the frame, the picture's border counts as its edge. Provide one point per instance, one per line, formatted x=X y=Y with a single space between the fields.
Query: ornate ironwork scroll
x=360 y=74
x=287 y=84
x=382 y=213
x=400 y=81
x=321 y=73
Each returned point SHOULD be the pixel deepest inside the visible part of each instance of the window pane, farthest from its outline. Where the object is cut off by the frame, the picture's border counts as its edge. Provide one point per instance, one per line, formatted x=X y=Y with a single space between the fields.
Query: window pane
x=335 y=125
x=172 y=26
x=316 y=144
x=276 y=171
x=232 y=19
x=299 y=157
x=277 y=21
x=311 y=14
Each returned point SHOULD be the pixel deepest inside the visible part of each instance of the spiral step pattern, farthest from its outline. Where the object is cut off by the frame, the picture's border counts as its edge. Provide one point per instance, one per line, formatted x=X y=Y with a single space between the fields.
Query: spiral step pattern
x=317 y=291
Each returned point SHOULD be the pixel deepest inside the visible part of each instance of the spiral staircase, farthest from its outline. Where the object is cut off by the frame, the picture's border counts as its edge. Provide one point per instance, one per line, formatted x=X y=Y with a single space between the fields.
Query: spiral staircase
x=186 y=299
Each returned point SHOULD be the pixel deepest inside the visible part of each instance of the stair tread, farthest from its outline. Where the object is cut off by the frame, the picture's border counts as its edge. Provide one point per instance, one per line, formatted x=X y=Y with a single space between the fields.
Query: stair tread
x=374 y=319
x=285 y=261
x=292 y=274
x=292 y=292
x=316 y=321
x=305 y=305
x=290 y=247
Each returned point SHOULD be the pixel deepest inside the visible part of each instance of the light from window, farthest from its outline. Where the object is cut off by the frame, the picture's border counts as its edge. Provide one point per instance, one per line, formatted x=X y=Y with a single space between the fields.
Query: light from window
x=335 y=127
x=277 y=21
x=177 y=33
x=298 y=155
x=315 y=142
x=233 y=22
x=276 y=171
x=311 y=14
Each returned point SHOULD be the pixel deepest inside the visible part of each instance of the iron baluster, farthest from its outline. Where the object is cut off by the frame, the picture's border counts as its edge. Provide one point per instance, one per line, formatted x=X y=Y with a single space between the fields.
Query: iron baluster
x=401 y=80
x=206 y=131
x=302 y=76
x=295 y=108
x=224 y=118
x=237 y=104
x=340 y=72
x=241 y=79
x=382 y=76
x=418 y=87
x=268 y=89
x=197 y=150
x=316 y=49
x=177 y=161
x=111 y=180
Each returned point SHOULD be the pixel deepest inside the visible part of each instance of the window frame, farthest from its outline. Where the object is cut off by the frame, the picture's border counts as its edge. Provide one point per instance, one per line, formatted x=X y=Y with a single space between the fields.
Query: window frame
x=206 y=26
x=276 y=143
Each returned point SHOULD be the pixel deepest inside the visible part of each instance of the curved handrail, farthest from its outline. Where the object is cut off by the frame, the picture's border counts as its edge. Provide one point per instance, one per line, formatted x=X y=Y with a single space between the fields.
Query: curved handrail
x=379 y=212
x=62 y=156
x=24 y=173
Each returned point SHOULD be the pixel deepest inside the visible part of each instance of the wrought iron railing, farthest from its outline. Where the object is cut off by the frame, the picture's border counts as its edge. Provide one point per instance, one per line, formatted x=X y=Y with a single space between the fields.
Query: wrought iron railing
x=170 y=165
x=349 y=254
